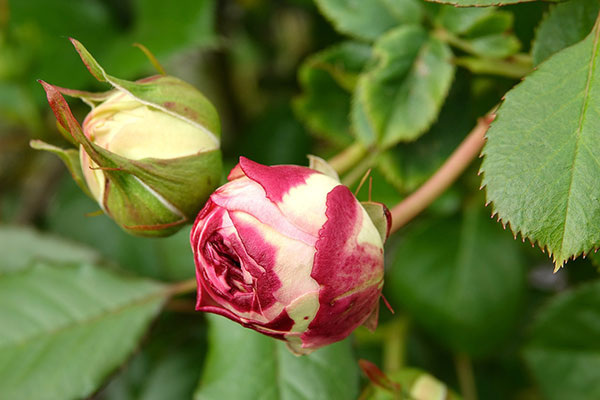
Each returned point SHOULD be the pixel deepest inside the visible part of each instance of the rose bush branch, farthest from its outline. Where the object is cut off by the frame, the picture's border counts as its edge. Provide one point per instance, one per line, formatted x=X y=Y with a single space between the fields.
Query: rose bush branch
x=418 y=201
x=348 y=158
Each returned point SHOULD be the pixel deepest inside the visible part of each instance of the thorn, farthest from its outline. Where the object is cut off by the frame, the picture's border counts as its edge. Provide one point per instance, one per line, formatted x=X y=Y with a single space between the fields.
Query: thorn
x=371 y=188
x=487 y=203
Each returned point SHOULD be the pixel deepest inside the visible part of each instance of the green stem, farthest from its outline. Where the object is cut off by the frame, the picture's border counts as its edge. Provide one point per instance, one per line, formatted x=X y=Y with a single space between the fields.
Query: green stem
x=458 y=161
x=454 y=40
x=182 y=287
x=466 y=377
x=514 y=67
x=394 y=347
x=345 y=160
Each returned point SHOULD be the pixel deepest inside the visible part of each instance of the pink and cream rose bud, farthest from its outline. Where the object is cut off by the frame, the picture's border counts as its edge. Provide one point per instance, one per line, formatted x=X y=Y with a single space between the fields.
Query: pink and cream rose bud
x=289 y=252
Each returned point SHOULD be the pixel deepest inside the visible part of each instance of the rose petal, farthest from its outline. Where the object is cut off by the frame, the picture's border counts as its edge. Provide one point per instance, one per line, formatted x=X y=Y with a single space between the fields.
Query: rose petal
x=249 y=197
x=347 y=245
x=299 y=192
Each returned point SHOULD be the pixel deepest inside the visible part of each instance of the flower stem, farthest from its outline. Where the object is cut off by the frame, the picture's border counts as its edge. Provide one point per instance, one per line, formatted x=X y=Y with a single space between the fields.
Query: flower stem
x=466 y=377
x=346 y=159
x=182 y=287
x=516 y=66
x=470 y=147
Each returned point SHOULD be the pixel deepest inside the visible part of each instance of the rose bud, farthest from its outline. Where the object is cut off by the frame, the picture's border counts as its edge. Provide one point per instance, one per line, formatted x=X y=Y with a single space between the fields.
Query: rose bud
x=148 y=152
x=289 y=252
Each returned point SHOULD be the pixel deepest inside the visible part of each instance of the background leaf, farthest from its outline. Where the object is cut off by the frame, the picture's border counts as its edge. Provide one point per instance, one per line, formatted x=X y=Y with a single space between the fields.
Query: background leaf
x=356 y=17
x=540 y=159
x=484 y=32
x=189 y=25
x=169 y=364
x=328 y=79
x=264 y=368
x=564 y=352
x=400 y=96
x=452 y=274
x=564 y=25
x=166 y=259
x=65 y=328
x=408 y=165
x=21 y=247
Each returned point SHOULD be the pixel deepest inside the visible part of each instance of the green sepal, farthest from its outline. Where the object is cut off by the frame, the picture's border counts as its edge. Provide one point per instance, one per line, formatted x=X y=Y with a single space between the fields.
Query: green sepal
x=166 y=93
x=71 y=159
x=318 y=164
x=380 y=216
x=136 y=209
x=184 y=181
x=68 y=123
x=89 y=98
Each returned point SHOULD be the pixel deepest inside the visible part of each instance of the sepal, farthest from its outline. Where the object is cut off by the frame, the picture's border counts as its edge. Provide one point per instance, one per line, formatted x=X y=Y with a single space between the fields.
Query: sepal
x=318 y=164
x=380 y=216
x=71 y=159
x=166 y=93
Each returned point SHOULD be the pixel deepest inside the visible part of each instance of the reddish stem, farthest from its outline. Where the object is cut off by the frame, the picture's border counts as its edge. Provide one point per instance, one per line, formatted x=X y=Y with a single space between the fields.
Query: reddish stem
x=458 y=161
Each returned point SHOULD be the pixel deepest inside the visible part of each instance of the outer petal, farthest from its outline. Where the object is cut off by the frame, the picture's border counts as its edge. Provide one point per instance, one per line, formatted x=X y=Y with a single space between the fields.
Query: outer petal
x=348 y=267
x=299 y=192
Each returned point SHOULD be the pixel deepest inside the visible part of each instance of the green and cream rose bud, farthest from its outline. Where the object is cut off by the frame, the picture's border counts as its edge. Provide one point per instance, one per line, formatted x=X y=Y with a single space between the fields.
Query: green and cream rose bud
x=289 y=252
x=148 y=151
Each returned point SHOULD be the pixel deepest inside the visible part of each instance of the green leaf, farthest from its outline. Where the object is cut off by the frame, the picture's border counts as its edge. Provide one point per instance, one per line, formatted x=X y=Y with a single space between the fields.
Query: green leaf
x=328 y=79
x=168 y=365
x=563 y=352
x=21 y=247
x=164 y=31
x=453 y=274
x=473 y=21
x=408 y=165
x=357 y=17
x=401 y=95
x=64 y=329
x=243 y=364
x=495 y=46
x=541 y=164
x=190 y=25
x=564 y=25
x=165 y=258
x=481 y=31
